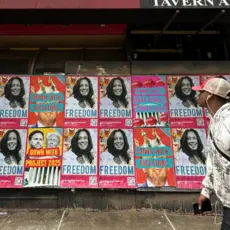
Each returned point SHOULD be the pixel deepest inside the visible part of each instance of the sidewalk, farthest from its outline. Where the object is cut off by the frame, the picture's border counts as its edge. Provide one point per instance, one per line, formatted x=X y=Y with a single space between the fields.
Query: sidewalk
x=120 y=220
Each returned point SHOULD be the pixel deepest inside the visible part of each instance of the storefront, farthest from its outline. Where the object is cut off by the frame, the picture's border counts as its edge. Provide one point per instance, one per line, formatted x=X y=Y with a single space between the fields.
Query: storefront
x=118 y=150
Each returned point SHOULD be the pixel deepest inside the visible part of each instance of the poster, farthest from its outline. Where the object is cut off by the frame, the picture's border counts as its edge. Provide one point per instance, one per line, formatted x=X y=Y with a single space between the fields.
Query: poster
x=43 y=157
x=12 y=154
x=150 y=107
x=116 y=163
x=190 y=158
x=183 y=107
x=154 y=158
x=79 y=166
x=81 y=101
x=115 y=102
x=47 y=101
x=203 y=79
x=14 y=90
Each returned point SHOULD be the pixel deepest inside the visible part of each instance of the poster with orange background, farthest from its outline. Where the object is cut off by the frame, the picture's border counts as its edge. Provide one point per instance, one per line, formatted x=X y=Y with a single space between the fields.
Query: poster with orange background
x=47 y=96
x=12 y=155
x=43 y=157
x=149 y=141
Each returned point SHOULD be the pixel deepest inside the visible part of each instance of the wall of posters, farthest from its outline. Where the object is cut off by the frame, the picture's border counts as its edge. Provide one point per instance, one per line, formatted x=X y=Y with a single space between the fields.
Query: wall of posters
x=102 y=131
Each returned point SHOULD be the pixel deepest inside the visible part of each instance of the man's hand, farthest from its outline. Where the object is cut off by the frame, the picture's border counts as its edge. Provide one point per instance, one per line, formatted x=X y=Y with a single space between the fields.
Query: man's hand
x=201 y=199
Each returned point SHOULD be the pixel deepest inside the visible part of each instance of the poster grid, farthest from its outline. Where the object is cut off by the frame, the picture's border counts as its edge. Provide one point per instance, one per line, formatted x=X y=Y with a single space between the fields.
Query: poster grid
x=112 y=132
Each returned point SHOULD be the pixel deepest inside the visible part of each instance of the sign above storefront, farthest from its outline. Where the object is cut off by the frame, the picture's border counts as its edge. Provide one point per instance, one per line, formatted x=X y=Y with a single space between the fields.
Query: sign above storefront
x=111 y=4
x=70 y=4
x=185 y=3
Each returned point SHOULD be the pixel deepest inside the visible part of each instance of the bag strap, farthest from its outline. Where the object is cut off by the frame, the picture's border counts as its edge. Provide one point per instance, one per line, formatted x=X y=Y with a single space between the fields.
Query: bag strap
x=223 y=154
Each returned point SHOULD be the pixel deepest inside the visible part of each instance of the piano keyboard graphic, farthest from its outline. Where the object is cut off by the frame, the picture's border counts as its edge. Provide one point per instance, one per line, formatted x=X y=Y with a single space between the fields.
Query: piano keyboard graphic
x=45 y=176
x=145 y=116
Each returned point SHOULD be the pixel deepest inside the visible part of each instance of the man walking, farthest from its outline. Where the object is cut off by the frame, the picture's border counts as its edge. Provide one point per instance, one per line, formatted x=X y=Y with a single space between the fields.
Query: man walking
x=215 y=95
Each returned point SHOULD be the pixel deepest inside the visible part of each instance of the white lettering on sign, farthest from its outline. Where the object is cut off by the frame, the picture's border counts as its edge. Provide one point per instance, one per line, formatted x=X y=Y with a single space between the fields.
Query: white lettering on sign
x=189 y=3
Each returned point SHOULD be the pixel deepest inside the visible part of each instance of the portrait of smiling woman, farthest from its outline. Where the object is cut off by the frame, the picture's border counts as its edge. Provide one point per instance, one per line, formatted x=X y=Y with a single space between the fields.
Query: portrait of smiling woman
x=117 y=149
x=184 y=96
x=116 y=95
x=192 y=148
x=14 y=93
x=10 y=148
x=82 y=95
x=81 y=149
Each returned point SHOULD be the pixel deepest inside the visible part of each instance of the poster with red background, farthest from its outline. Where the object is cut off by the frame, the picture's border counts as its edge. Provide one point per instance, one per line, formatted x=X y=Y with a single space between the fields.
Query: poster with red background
x=154 y=158
x=47 y=96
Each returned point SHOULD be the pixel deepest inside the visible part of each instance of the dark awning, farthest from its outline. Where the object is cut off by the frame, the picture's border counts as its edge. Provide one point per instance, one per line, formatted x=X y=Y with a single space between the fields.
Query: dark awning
x=157 y=19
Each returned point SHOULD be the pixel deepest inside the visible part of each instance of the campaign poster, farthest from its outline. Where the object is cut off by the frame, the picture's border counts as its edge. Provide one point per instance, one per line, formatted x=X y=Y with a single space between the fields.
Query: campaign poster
x=43 y=157
x=150 y=106
x=12 y=155
x=81 y=101
x=154 y=158
x=47 y=96
x=14 y=99
x=203 y=79
x=115 y=102
x=116 y=163
x=190 y=157
x=79 y=165
x=183 y=107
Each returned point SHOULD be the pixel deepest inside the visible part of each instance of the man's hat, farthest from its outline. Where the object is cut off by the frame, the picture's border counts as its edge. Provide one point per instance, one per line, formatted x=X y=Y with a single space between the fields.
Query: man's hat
x=216 y=86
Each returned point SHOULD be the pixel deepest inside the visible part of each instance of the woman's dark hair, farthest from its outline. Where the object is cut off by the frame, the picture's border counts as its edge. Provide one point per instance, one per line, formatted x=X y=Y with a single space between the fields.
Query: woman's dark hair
x=4 y=149
x=81 y=98
x=12 y=98
x=116 y=153
x=180 y=94
x=186 y=149
x=113 y=97
x=79 y=152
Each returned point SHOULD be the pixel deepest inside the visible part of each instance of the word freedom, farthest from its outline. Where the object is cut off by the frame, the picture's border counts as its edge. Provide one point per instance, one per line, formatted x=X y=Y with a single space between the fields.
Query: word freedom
x=187 y=3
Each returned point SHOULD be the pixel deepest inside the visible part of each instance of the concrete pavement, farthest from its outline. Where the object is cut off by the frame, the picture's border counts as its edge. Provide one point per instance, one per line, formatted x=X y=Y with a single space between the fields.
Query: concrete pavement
x=116 y=220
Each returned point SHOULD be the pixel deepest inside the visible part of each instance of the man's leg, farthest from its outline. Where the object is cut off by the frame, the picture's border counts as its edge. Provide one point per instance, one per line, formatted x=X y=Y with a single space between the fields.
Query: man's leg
x=226 y=219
